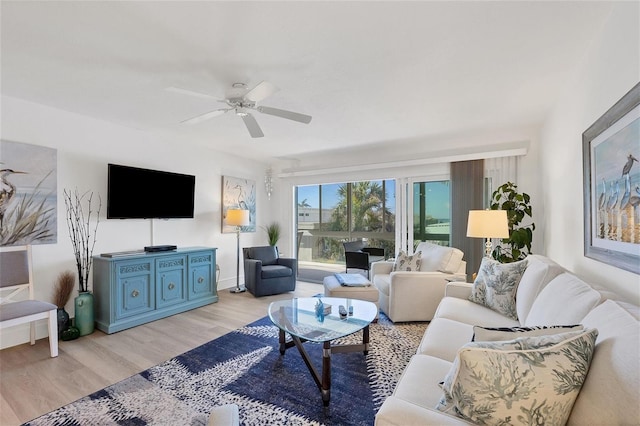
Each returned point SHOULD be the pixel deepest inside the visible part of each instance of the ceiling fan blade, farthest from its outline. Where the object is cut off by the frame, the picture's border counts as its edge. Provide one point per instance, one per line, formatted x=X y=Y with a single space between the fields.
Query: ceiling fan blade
x=263 y=90
x=205 y=116
x=252 y=126
x=190 y=93
x=295 y=116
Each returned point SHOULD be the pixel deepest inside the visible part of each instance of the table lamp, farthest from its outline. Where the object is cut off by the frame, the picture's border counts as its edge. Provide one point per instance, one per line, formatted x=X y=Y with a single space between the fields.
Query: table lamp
x=488 y=224
x=238 y=218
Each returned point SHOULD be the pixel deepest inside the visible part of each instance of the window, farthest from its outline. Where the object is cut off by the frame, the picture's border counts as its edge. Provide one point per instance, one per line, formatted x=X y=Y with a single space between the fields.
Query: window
x=330 y=214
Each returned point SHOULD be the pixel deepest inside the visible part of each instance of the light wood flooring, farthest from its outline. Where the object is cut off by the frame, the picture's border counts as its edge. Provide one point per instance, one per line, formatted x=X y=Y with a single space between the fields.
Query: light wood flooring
x=32 y=383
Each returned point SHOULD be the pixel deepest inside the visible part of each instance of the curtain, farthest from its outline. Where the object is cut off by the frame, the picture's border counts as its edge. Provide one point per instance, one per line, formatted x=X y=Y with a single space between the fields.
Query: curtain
x=498 y=171
x=467 y=193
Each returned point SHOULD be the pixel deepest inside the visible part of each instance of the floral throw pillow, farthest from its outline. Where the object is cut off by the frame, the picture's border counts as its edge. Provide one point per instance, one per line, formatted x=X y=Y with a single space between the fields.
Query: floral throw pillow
x=520 y=382
x=405 y=262
x=496 y=285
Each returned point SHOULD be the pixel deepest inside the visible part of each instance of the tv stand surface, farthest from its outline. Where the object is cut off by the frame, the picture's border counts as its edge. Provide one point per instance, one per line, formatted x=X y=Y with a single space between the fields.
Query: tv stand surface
x=139 y=288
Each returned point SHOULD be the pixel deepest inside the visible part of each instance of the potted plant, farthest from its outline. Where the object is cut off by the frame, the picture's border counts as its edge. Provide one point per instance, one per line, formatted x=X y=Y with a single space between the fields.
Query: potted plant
x=83 y=239
x=273 y=233
x=518 y=206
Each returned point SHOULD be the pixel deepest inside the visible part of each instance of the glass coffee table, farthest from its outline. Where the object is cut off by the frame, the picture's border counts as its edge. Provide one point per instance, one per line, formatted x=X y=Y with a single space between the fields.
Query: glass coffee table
x=298 y=318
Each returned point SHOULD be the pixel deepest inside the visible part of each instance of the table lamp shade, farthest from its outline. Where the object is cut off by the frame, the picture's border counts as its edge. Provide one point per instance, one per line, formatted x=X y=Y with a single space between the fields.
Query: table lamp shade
x=488 y=224
x=237 y=217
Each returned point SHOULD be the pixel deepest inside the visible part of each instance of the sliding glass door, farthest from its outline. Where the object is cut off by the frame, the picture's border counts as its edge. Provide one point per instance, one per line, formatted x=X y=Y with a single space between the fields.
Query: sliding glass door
x=330 y=214
x=432 y=212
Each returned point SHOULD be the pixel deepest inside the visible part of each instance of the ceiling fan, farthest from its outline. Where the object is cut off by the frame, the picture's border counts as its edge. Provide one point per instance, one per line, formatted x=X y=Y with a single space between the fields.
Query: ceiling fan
x=243 y=101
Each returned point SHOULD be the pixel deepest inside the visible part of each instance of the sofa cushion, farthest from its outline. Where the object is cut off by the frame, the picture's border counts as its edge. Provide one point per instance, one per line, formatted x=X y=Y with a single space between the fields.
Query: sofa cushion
x=522 y=381
x=497 y=334
x=267 y=254
x=398 y=412
x=565 y=300
x=276 y=271
x=407 y=262
x=496 y=285
x=444 y=337
x=419 y=383
x=472 y=313
x=610 y=392
x=439 y=258
x=540 y=270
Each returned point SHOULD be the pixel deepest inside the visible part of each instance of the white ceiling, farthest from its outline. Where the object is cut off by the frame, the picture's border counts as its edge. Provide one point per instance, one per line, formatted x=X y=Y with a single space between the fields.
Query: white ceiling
x=368 y=72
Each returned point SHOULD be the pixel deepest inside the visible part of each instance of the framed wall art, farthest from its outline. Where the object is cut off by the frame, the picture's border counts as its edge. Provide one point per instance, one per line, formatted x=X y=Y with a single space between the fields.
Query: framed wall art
x=238 y=193
x=28 y=194
x=611 y=150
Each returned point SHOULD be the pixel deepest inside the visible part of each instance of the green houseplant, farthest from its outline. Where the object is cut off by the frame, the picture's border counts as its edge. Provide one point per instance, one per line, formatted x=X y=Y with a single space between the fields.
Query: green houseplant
x=518 y=207
x=273 y=233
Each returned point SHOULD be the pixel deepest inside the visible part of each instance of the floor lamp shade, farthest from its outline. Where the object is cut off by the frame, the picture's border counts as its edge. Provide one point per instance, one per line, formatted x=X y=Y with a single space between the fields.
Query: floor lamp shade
x=237 y=217
x=488 y=224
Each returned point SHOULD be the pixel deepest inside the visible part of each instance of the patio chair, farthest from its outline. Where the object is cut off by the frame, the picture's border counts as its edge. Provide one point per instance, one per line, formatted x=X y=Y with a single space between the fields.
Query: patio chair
x=358 y=256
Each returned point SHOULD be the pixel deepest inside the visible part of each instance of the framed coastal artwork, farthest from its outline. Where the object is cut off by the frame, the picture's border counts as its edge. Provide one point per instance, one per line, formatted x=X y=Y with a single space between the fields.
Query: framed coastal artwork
x=611 y=150
x=238 y=193
x=28 y=194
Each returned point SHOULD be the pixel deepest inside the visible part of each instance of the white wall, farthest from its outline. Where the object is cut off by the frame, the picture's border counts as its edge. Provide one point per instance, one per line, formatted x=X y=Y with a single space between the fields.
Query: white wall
x=84 y=147
x=611 y=69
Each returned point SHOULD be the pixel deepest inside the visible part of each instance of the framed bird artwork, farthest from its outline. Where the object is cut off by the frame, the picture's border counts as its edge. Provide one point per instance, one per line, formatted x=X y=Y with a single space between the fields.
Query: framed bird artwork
x=238 y=193
x=611 y=150
x=28 y=188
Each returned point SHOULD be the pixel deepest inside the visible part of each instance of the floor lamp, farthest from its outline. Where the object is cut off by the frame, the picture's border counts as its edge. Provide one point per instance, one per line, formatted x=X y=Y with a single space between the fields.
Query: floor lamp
x=488 y=224
x=238 y=218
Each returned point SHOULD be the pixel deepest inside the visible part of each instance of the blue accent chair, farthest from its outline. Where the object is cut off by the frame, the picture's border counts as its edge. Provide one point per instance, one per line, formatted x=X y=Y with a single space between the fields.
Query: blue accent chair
x=265 y=273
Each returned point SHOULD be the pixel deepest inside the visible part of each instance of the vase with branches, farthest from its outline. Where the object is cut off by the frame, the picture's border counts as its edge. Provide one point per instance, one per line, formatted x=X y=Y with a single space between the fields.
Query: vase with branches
x=81 y=210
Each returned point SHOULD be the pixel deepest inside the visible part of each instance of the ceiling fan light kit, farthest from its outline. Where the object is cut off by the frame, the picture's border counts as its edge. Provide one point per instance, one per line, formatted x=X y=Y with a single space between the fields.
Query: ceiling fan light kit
x=242 y=105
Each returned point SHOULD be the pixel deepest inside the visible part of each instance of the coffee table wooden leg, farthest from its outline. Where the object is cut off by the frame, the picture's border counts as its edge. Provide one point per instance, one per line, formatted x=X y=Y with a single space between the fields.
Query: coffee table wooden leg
x=282 y=340
x=365 y=339
x=326 y=373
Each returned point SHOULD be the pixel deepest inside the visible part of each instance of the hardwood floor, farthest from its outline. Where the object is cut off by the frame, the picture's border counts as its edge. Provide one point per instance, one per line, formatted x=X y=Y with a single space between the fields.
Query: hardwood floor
x=32 y=383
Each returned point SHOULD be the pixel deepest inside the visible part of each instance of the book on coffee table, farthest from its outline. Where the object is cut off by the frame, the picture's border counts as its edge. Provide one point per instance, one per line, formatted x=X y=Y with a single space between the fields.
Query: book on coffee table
x=352 y=280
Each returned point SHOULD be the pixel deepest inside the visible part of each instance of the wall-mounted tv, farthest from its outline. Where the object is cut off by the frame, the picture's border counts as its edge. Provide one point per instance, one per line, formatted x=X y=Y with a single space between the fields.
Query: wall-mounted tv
x=135 y=193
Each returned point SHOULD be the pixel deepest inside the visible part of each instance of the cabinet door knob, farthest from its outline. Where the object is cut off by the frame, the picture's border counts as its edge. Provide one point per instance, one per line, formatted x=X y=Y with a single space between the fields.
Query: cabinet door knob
x=200 y=280
x=135 y=293
x=171 y=286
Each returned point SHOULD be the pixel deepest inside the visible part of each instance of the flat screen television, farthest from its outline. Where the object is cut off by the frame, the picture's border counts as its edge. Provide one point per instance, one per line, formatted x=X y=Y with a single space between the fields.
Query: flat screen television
x=135 y=193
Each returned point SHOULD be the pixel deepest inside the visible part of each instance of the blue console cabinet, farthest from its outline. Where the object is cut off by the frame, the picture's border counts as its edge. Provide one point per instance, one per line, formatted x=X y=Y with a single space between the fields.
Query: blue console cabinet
x=138 y=288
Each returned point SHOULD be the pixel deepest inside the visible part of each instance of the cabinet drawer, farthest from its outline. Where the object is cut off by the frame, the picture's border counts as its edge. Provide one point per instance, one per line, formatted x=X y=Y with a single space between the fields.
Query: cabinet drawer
x=171 y=278
x=201 y=282
x=134 y=289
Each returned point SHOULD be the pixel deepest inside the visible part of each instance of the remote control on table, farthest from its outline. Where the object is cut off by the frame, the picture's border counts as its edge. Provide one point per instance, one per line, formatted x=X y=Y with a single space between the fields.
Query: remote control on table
x=350 y=310
x=343 y=311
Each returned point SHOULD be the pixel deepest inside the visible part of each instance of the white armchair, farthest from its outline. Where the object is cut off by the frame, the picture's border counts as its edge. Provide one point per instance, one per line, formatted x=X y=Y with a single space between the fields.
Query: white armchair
x=414 y=296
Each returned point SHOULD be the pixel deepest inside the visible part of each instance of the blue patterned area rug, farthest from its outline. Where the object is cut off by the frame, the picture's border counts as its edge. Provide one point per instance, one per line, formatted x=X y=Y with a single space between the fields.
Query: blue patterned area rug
x=245 y=367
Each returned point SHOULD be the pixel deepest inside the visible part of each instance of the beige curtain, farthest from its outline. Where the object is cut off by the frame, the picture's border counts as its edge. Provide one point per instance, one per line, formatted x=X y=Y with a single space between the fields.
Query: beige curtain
x=467 y=186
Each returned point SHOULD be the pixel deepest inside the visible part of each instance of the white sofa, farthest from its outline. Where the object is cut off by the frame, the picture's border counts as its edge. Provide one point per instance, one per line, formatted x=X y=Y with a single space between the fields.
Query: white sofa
x=414 y=295
x=546 y=295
